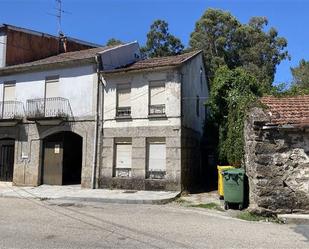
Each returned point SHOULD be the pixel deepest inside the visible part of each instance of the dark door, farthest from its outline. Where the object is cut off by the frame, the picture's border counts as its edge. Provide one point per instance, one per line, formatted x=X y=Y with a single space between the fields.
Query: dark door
x=52 y=165
x=6 y=162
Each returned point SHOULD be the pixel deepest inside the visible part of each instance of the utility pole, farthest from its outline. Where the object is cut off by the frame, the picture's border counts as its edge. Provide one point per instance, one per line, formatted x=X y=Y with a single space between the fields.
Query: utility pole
x=59 y=15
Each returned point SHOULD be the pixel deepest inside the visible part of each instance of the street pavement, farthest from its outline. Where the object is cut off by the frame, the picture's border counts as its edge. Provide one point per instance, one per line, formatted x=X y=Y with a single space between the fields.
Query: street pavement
x=31 y=223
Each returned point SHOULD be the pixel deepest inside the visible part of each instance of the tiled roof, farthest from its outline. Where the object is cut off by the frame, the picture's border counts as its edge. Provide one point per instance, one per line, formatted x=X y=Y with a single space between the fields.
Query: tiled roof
x=157 y=62
x=61 y=58
x=288 y=110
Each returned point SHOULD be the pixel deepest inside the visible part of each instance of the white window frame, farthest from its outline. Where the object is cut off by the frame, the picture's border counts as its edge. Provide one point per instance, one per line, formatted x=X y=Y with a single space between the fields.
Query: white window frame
x=158 y=108
x=159 y=173
x=118 y=171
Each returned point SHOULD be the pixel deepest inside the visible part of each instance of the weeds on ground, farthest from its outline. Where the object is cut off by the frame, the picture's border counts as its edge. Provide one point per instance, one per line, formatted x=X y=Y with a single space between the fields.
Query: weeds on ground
x=257 y=217
x=210 y=205
x=181 y=201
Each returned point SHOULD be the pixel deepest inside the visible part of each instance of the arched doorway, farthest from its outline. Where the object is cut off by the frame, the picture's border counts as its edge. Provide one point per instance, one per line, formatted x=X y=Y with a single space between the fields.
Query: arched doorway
x=62 y=159
x=7 y=148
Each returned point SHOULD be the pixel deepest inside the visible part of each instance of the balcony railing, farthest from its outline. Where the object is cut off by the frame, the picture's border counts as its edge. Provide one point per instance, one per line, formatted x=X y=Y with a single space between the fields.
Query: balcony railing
x=156 y=174
x=123 y=112
x=48 y=108
x=11 y=110
x=157 y=109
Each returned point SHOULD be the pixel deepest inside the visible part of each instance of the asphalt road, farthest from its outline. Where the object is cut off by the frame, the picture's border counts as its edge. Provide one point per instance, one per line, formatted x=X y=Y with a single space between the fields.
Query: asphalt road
x=42 y=224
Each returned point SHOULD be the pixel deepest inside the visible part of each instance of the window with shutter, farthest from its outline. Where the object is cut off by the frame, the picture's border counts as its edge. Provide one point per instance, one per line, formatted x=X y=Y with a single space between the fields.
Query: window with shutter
x=123 y=160
x=52 y=87
x=156 y=153
x=123 y=101
x=157 y=98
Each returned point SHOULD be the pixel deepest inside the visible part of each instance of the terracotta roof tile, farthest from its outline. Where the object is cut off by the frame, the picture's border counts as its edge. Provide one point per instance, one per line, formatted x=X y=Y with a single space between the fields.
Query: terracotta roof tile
x=157 y=62
x=288 y=110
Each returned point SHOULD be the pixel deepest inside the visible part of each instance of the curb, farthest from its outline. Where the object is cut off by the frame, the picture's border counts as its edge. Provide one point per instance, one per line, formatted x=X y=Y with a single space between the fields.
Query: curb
x=98 y=200
x=296 y=219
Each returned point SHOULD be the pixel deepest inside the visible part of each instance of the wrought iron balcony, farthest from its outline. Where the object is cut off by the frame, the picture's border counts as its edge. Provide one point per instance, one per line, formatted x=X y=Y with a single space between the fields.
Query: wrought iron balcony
x=157 y=110
x=123 y=112
x=11 y=110
x=48 y=108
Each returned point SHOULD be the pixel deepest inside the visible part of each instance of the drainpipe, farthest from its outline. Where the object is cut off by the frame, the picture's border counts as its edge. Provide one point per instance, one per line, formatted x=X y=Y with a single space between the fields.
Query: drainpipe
x=95 y=140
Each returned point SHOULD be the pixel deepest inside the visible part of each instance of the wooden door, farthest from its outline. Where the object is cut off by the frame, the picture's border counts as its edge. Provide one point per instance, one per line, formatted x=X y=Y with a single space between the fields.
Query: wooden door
x=52 y=164
x=6 y=162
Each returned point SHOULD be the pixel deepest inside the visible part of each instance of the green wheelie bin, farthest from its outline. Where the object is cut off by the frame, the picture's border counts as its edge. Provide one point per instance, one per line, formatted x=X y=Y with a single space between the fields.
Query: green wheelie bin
x=234 y=187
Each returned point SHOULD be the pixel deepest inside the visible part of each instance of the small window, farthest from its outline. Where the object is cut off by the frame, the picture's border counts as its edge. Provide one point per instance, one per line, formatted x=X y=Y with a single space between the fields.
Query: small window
x=123 y=158
x=123 y=100
x=156 y=158
x=197 y=106
x=52 y=86
x=157 y=98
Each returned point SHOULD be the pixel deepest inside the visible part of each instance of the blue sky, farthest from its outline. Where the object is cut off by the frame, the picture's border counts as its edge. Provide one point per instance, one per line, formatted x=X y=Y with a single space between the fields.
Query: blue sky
x=128 y=20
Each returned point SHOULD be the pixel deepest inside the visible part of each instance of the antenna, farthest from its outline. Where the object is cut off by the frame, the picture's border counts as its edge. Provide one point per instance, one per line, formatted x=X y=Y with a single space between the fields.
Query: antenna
x=58 y=15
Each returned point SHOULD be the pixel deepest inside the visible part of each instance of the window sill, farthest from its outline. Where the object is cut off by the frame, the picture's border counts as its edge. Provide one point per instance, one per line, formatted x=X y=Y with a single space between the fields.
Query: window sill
x=157 y=116
x=123 y=118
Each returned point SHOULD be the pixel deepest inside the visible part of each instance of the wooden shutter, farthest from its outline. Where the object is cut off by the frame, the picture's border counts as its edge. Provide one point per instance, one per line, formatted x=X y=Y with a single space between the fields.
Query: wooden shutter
x=156 y=157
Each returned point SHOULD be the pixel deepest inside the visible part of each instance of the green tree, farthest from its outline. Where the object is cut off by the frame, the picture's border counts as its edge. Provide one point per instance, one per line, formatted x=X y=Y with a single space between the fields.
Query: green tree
x=160 y=42
x=232 y=92
x=225 y=41
x=301 y=74
x=114 y=42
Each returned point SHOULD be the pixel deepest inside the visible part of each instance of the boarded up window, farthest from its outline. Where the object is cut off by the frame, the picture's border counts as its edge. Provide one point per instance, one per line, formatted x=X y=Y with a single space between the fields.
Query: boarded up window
x=157 y=93
x=9 y=91
x=124 y=96
x=52 y=87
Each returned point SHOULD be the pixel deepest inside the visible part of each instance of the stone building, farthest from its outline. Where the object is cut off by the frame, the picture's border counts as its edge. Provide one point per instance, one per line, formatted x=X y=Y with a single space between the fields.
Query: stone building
x=102 y=117
x=277 y=155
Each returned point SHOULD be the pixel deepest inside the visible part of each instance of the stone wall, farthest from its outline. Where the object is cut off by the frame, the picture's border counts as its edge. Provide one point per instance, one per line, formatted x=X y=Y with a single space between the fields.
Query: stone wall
x=29 y=149
x=138 y=179
x=277 y=166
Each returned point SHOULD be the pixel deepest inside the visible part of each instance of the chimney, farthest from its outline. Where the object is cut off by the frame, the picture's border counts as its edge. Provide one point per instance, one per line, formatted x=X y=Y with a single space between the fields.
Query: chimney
x=62 y=43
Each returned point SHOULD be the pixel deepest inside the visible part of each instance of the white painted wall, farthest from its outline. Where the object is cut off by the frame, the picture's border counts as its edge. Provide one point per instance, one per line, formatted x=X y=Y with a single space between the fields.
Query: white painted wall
x=76 y=84
x=140 y=98
x=2 y=49
x=191 y=88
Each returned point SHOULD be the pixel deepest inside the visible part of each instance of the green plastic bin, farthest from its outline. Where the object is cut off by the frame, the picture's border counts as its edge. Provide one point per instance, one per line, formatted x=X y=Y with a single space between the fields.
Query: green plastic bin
x=233 y=184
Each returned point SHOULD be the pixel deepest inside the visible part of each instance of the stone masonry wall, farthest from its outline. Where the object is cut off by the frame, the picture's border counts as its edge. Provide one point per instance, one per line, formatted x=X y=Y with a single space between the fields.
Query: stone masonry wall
x=277 y=166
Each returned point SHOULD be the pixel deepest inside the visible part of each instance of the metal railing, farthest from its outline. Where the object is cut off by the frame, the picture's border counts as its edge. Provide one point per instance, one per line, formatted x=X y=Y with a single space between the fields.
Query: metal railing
x=122 y=172
x=11 y=110
x=56 y=107
x=123 y=111
x=157 y=109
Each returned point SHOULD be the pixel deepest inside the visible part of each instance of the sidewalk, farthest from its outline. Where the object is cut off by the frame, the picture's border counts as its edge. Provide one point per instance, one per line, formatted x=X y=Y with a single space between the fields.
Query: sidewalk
x=76 y=193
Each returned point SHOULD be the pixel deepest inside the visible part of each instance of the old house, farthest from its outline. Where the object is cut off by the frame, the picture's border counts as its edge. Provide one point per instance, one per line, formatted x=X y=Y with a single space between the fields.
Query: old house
x=277 y=155
x=102 y=117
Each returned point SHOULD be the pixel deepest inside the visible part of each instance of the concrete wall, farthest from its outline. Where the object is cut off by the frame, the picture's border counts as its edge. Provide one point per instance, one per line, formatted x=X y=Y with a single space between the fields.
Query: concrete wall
x=76 y=84
x=140 y=98
x=193 y=84
x=193 y=87
x=277 y=166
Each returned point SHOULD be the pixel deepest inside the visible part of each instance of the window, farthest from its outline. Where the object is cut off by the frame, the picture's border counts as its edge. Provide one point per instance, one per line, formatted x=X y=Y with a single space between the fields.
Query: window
x=197 y=106
x=123 y=158
x=52 y=86
x=156 y=158
x=123 y=100
x=9 y=91
x=157 y=98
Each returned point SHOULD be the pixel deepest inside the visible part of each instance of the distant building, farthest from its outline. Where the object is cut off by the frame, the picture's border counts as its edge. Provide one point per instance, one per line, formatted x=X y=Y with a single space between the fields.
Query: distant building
x=20 y=45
